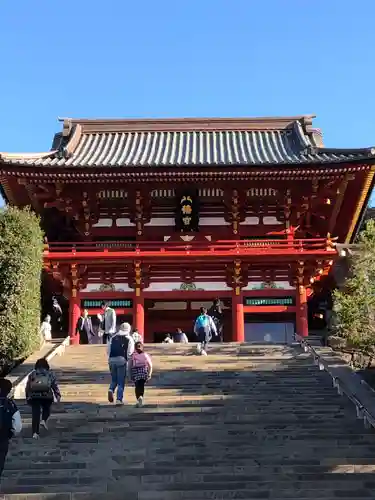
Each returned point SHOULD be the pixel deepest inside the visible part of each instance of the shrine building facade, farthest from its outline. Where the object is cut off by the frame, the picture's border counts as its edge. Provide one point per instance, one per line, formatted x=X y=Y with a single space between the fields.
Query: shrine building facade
x=162 y=216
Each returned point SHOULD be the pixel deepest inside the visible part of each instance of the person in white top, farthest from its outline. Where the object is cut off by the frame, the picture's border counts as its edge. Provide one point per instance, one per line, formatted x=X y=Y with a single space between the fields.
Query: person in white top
x=168 y=339
x=137 y=337
x=46 y=329
x=108 y=321
x=180 y=337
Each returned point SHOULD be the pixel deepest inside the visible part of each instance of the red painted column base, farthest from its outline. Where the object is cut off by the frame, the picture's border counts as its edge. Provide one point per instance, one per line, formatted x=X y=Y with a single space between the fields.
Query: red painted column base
x=139 y=315
x=74 y=315
x=302 y=325
x=238 y=318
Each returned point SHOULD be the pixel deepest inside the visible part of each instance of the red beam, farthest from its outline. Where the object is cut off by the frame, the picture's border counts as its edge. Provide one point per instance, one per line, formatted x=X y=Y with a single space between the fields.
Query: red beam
x=189 y=294
x=107 y=295
x=269 y=309
x=269 y=292
x=176 y=295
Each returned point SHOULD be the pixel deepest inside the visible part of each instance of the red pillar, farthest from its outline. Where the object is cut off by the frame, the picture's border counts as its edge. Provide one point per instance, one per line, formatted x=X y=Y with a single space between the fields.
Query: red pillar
x=139 y=314
x=74 y=314
x=302 y=326
x=238 y=319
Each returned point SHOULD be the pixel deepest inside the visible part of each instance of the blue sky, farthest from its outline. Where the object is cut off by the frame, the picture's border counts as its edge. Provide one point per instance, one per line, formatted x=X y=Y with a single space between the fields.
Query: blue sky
x=186 y=58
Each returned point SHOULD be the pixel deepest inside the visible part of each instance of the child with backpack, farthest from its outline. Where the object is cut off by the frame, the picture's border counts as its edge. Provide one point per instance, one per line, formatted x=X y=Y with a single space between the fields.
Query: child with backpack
x=140 y=366
x=41 y=389
x=10 y=420
x=119 y=349
x=204 y=328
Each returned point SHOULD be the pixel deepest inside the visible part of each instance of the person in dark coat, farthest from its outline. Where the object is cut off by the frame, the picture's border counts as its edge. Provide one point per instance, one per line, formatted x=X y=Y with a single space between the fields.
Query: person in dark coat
x=57 y=313
x=217 y=314
x=11 y=423
x=85 y=329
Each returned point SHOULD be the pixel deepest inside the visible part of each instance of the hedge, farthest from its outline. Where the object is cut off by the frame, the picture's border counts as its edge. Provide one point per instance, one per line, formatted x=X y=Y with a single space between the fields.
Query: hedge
x=21 y=257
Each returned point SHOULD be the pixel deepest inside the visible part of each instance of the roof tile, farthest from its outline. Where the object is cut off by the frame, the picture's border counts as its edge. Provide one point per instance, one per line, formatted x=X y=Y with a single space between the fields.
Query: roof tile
x=196 y=143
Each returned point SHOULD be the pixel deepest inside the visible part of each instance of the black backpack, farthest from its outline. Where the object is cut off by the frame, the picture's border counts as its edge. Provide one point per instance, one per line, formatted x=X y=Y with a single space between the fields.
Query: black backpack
x=7 y=410
x=40 y=382
x=119 y=347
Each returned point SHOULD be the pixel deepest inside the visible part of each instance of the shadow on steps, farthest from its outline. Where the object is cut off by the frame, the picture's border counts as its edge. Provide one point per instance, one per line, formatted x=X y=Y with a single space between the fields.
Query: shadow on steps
x=213 y=427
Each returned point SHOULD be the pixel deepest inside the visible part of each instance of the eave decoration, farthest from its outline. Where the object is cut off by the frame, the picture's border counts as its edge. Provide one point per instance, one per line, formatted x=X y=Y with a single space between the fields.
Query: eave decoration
x=268 y=285
x=188 y=287
x=107 y=287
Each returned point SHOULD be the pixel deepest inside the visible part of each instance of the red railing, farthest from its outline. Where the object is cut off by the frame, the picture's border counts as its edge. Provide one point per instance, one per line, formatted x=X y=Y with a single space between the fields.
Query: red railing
x=244 y=246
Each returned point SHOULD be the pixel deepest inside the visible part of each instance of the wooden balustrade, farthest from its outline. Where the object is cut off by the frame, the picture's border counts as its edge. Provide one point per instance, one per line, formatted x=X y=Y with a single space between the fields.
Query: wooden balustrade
x=230 y=246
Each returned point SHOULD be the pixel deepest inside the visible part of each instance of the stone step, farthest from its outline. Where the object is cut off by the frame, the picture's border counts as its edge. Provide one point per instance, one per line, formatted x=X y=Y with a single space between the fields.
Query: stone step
x=214 y=485
x=245 y=422
x=228 y=429
x=120 y=496
x=275 y=494
x=118 y=492
x=249 y=463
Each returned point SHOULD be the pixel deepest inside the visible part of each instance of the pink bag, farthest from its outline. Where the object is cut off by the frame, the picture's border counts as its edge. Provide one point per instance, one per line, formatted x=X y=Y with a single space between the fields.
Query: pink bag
x=140 y=359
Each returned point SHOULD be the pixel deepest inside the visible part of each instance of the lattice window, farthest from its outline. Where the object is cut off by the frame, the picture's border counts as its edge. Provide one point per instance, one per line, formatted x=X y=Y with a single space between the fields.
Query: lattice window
x=112 y=194
x=163 y=193
x=203 y=193
x=211 y=193
x=259 y=192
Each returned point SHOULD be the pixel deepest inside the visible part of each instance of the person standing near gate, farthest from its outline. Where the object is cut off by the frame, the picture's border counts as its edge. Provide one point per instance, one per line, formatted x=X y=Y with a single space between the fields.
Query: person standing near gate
x=108 y=321
x=84 y=327
x=217 y=314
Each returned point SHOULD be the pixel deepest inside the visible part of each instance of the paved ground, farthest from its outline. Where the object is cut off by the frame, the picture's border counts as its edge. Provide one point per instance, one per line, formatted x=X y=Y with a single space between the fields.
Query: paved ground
x=245 y=422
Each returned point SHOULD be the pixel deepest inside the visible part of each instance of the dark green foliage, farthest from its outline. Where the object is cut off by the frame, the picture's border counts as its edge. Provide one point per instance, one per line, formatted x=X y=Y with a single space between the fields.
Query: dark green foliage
x=21 y=257
x=354 y=305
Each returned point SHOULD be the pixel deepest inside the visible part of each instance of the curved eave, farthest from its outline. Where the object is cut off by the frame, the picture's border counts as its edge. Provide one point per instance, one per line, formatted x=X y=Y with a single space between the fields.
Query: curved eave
x=3 y=194
x=323 y=161
x=363 y=212
x=142 y=174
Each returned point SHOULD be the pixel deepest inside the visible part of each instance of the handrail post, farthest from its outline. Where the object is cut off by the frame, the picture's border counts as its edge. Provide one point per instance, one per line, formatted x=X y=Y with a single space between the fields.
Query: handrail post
x=328 y=242
x=46 y=245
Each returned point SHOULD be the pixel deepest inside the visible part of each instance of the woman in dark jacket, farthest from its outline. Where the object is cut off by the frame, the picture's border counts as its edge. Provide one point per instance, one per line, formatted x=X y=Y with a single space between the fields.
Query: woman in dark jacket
x=85 y=329
x=41 y=389
x=217 y=314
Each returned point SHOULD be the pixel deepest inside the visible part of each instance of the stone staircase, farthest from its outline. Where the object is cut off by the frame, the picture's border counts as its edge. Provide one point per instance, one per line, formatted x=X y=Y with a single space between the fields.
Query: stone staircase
x=249 y=422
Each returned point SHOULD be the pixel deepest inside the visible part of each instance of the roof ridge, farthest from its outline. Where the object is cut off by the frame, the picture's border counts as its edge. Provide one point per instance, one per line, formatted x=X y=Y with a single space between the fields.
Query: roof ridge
x=27 y=156
x=183 y=124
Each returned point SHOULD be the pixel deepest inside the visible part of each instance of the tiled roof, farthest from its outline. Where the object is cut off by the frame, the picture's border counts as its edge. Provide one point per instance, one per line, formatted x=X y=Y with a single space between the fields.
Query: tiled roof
x=188 y=142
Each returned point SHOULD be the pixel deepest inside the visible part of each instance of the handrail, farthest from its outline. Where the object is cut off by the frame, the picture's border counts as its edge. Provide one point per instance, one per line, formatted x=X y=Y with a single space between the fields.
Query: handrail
x=361 y=411
x=245 y=246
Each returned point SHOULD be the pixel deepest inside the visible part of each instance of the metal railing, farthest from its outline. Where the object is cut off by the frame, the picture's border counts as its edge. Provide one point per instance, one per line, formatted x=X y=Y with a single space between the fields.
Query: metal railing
x=361 y=411
x=244 y=246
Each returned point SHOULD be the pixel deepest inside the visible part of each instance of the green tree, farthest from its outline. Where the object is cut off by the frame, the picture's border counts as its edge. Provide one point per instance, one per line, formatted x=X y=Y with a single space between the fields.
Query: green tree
x=21 y=258
x=354 y=305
